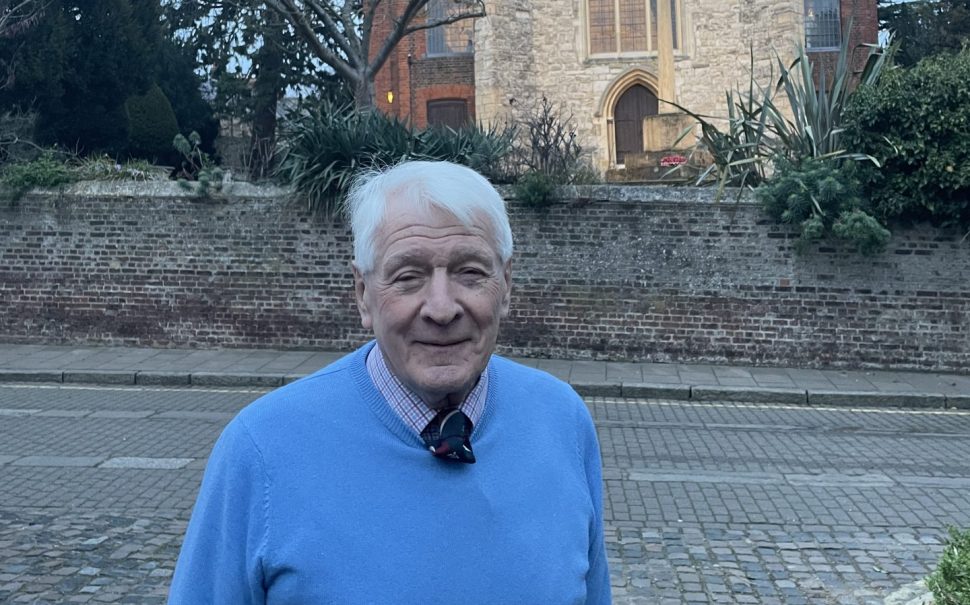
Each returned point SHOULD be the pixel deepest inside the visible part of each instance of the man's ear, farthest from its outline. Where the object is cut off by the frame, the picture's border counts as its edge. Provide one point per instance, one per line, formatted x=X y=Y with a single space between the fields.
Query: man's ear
x=359 y=287
x=507 y=295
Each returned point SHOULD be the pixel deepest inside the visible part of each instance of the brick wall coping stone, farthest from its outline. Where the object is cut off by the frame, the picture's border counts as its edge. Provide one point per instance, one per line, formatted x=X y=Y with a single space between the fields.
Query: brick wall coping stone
x=570 y=194
x=160 y=189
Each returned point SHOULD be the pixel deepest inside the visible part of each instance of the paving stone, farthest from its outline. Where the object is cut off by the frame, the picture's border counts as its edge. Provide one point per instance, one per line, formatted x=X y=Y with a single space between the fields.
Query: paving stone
x=70 y=461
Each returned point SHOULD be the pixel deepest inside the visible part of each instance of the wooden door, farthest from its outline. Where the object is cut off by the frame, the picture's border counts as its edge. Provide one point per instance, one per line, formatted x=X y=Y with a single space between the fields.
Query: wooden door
x=633 y=105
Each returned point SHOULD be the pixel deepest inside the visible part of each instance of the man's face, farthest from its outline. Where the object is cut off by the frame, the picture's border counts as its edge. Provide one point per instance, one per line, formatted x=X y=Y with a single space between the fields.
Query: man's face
x=434 y=300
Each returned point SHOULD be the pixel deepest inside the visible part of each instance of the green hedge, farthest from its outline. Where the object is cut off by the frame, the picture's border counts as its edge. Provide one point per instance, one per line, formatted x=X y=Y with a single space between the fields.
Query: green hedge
x=916 y=122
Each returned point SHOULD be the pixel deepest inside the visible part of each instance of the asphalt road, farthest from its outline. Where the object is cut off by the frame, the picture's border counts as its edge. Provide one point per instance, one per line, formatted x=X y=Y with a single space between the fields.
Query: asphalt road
x=705 y=503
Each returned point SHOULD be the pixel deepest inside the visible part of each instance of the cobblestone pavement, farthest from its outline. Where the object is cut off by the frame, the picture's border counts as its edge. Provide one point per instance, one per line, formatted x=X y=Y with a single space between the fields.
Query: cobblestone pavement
x=705 y=502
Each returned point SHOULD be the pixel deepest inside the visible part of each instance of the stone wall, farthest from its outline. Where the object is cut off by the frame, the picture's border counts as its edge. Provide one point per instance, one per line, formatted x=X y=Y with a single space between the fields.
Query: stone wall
x=651 y=274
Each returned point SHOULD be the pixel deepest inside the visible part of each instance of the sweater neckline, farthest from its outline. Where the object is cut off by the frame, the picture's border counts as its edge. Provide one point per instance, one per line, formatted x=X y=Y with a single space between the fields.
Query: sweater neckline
x=386 y=414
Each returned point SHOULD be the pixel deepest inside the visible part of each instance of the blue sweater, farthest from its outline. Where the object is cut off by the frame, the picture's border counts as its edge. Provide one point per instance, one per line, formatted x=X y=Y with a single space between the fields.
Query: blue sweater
x=319 y=493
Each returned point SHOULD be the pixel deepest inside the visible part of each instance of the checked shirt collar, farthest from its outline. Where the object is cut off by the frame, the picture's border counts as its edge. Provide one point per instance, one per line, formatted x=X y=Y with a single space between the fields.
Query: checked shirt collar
x=412 y=409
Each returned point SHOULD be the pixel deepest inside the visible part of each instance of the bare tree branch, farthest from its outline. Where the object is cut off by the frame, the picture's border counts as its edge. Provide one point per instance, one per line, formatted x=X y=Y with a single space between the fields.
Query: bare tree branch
x=348 y=26
x=448 y=20
x=405 y=25
x=18 y=15
x=344 y=36
x=305 y=29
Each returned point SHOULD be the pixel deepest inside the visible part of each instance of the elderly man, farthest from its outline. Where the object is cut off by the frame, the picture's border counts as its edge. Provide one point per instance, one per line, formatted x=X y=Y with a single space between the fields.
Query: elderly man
x=420 y=468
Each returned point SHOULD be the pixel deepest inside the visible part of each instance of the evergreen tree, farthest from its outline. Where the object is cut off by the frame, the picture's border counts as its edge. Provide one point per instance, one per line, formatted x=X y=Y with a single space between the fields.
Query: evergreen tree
x=152 y=126
x=926 y=27
x=176 y=76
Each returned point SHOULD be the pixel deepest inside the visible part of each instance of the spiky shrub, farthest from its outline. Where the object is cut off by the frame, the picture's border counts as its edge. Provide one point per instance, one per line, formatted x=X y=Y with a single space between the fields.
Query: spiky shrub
x=549 y=144
x=822 y=197
x=483 y=149
x=759 y=129
x=950 y=581
x=324 y=149
x=916 y=122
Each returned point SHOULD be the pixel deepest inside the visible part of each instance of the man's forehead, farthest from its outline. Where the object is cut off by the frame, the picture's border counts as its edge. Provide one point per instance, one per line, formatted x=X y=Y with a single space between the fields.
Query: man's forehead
x=402 y=218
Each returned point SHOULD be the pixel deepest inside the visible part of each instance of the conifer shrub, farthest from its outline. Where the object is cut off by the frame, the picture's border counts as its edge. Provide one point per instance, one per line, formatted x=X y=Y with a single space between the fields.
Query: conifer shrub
x=151 y=126
x=823 y=198
x=536 y=189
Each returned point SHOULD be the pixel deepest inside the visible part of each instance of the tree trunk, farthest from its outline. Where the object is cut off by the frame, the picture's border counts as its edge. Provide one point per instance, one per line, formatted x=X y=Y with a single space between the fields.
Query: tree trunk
x=266 y=94
x=364 y=91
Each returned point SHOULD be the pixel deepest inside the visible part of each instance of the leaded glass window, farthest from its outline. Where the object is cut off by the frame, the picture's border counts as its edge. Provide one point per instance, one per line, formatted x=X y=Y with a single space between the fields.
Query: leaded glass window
x=627 y=26
x=823 y=25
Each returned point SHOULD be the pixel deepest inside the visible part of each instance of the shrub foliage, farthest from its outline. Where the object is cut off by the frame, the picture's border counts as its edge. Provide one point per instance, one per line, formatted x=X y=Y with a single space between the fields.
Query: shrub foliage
x=327 y=147
x=151 y=126
x=823 y=198
x=950 y=582
x=48 y=170
x=916 y=122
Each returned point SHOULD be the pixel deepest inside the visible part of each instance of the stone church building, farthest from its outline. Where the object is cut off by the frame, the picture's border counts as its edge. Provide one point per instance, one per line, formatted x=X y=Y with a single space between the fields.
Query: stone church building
x=607 y=62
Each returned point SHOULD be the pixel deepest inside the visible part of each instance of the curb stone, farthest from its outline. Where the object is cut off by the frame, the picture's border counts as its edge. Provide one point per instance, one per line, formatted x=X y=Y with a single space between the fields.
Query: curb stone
x=876 y=399
x=649 y=390
x=163 y=378
x=597 y=389
x=749 y=394
x=31 y=376
x=958 y=402
x=216 y=379
x=99 y=377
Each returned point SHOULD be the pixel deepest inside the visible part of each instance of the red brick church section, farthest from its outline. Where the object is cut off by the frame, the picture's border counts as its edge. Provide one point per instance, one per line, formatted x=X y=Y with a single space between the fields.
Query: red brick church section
x=413 y=78
x=861 y=23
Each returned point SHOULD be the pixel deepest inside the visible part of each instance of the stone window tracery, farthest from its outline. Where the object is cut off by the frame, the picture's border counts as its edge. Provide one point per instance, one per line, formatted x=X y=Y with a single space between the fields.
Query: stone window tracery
x=627 y=27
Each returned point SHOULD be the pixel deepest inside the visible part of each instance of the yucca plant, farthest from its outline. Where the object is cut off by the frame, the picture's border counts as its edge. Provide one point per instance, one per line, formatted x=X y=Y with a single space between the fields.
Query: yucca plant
x=818 y=109
x=324 y=149
x=484 y=149
x=759 y=129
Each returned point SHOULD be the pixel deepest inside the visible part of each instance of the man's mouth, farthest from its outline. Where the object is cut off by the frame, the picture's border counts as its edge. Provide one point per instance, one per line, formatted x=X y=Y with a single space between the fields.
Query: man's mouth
x=440 y=343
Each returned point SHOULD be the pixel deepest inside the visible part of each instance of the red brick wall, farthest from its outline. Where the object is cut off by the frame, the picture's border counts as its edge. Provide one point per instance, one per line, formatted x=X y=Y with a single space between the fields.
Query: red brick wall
x=416 y=78
x=861 y=24
x=664 y=279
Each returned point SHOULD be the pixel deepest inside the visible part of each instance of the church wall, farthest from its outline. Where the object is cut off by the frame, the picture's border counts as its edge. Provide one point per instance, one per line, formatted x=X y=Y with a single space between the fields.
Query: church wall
x=526 y=50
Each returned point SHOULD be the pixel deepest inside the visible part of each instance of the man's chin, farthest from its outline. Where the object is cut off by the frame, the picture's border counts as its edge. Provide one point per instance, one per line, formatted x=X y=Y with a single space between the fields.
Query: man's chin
x=436 y=386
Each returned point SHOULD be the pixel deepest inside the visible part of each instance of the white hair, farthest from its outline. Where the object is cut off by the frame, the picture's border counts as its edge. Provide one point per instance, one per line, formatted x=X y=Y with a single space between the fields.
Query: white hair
x=421 y=185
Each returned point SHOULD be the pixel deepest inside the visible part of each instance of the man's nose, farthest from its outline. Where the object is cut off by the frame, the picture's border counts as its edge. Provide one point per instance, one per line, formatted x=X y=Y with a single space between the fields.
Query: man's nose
x=441 y=305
